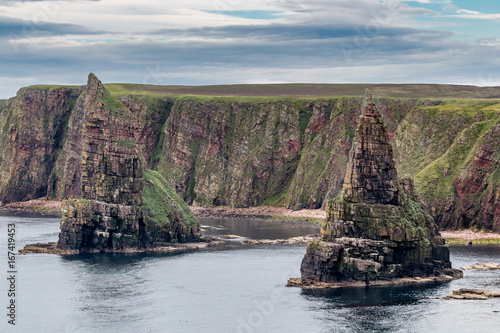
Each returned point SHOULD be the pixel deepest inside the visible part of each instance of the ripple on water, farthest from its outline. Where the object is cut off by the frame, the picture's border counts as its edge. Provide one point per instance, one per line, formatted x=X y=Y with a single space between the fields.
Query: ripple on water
x=230 y=289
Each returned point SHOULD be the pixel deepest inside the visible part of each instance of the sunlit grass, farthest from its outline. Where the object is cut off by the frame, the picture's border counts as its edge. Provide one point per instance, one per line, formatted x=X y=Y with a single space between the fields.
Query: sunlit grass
x=484 y=241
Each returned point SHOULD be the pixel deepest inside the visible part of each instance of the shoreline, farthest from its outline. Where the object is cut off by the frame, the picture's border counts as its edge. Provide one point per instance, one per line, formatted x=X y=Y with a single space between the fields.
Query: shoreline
x=444 y=276
x=51 y=248
x=41 y=205
x=276 y=214
x=469 y=237
x=268 y=213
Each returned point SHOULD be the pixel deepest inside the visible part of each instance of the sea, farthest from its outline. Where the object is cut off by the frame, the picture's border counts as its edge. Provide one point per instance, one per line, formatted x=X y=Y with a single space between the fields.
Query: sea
x=231 y=288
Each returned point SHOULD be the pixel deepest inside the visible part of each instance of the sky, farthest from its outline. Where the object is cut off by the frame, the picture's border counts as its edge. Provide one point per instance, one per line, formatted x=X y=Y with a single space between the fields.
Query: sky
x=200 y=42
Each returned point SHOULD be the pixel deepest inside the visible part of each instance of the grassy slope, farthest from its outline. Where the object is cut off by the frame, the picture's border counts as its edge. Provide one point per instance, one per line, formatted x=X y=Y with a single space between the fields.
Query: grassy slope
x=439 y=147
x=160 y=200
x=435 y=178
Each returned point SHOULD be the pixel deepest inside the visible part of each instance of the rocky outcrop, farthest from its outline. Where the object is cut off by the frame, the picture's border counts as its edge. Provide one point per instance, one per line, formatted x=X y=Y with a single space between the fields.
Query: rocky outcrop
x=484 y=267
x=376 y=229
x=248 y=151
x=473 y=294
x=123 y=205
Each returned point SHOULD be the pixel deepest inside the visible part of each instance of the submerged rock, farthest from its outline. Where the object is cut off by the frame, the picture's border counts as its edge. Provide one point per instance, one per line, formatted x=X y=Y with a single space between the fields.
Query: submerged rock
x=473 y=294
x=123 y=205
x=377 y=229
x=485 y=266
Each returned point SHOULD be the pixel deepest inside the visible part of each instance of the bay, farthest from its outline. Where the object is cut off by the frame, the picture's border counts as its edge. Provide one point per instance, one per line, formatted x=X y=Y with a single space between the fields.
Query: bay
x=234 y=288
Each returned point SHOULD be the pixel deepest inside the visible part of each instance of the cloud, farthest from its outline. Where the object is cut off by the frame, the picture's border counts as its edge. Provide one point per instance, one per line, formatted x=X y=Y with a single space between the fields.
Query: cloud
x=471 y=14
x=18 y=29
x=233 y=41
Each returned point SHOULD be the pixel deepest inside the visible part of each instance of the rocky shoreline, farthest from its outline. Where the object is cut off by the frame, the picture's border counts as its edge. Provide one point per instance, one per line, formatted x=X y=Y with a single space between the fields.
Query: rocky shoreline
x=41 y=205
x=472 y=294
x=51 y=248
x=278 y=214
x=448 y=276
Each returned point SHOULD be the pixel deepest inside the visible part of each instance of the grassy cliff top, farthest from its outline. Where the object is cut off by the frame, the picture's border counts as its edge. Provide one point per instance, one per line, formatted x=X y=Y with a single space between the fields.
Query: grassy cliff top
x=441 y=91
x=313 y=90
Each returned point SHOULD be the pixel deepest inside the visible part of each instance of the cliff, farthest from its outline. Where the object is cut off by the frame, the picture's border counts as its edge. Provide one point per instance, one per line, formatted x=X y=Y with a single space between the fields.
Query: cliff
x=376 y=228
x=452 y=150
x=32 y=130
x=122 y=205
x=247 y=151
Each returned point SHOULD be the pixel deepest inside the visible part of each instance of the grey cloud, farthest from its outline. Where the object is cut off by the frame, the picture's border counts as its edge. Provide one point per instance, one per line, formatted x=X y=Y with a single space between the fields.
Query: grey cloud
x=16 y=29
x=280 y=32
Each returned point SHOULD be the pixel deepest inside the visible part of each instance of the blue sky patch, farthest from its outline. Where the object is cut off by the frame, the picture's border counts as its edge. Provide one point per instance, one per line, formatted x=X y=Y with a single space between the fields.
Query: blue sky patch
x=249 y=14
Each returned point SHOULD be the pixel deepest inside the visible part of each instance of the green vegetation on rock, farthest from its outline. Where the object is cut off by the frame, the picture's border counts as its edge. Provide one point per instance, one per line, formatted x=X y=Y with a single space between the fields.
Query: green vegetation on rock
x=160 y=201
x=127 y=144
x=245 y=145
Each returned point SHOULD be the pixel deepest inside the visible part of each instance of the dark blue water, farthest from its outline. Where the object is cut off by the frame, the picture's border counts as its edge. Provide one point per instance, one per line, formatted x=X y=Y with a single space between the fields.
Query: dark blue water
x=236 y=288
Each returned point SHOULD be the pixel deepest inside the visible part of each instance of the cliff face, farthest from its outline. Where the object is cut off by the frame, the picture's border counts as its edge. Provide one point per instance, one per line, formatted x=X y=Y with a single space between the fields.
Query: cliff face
x=454 y=150
x=32 y=128
x=227 y=153
x=287 y=151
x=245 y=151
x=376 y=228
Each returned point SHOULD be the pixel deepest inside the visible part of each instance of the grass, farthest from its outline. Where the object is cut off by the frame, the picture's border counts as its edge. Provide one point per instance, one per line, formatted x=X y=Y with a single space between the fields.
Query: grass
x=53 y=87
x=311 y=220
x=311 y=90
x=487 y=241
x=114 y=106
x=278 y=200
x=160 y=201
x=314 y=90
x=437 y=179
x=127 y=144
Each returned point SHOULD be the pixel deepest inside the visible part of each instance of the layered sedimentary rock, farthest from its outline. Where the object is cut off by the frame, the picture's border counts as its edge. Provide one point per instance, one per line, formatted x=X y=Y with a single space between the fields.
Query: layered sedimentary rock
x=32 y=129
x=376 y=229
x=243 y=151
x=123 y=205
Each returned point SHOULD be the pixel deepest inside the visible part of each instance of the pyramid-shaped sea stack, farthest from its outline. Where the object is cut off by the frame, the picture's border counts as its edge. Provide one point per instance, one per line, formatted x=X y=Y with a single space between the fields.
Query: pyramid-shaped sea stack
x=377 y=230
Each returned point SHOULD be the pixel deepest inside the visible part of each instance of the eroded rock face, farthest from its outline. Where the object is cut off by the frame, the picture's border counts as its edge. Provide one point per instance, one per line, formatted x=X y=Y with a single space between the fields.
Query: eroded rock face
x=376 y=229
x=371 y=173
x=124 y=205
x=31 y=136
x=239 y=152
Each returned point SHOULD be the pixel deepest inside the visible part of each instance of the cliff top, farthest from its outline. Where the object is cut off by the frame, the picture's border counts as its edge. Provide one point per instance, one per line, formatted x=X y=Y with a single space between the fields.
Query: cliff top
x=441 y=91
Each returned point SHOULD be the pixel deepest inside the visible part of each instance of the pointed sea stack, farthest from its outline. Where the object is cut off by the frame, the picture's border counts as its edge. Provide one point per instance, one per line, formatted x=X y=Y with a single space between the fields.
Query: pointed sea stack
x=123 y=206
x=377 y=230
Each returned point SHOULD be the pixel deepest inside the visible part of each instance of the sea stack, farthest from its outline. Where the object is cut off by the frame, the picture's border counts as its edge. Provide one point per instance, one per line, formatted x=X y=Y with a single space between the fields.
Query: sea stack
x=123 y=206
x=377 y=230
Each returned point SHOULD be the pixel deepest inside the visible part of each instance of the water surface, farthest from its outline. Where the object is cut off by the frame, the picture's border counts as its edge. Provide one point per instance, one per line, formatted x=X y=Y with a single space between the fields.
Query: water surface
x=236 y=288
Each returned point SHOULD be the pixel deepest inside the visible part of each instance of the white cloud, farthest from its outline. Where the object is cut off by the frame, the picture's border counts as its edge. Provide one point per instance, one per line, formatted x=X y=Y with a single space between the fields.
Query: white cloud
x=471 y=14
